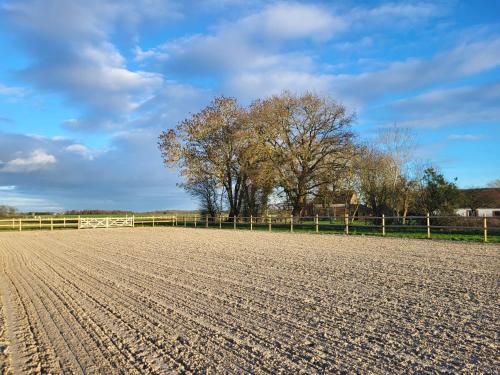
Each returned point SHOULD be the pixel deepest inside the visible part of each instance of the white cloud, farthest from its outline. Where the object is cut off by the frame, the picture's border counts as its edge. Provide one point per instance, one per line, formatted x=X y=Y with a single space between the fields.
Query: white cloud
x=7 y=187
x=73 y=52
x=81 y=150
x=128 y=174
x=402 y=11
x=28 y=202
x=364 y=42
x=71 y=123
x=59 y=138
x=252 y=56
x=259 y=84
x=11 y=90
x=236 y=45
x=397 y=77
x=37 y=160
x=356 y=90
x=284 y=21
x=249 y=42
x=55 y=19
x=98 y=79
x=465 y=137
x=78 y=148
x=69 y=43
x=141 y=55
x=450 y=107
x=12 y=94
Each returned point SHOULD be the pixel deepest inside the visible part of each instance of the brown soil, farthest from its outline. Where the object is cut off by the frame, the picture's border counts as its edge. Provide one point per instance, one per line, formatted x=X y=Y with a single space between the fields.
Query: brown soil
x=170 y=300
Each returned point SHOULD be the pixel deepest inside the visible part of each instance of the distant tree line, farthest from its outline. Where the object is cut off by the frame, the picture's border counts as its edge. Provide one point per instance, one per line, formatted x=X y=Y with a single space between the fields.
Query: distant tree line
x=121 y=212
x=7 y=211
x=297 y=149
x=95 y=212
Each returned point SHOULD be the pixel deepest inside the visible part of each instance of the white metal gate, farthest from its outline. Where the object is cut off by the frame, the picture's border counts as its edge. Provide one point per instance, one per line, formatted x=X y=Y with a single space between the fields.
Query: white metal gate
x=105 y=222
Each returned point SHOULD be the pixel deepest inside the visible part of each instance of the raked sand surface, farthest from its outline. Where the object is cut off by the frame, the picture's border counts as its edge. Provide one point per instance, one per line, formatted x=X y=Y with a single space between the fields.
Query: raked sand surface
x=174 y=300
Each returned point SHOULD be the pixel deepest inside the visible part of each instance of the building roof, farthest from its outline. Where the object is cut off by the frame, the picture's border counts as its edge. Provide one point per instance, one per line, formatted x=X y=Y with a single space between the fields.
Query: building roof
x=481 y=198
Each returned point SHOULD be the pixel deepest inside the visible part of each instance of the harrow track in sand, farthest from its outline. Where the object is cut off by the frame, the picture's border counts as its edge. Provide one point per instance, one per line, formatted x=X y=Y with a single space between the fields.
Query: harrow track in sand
x=171 y=300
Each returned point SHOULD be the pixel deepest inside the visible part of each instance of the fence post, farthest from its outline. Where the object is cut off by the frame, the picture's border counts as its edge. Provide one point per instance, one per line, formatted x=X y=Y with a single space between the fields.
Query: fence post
x=485 y=229
x=316 y=219
x=269 y=221
x=154 y=221
x=383 y=225
x=78 y=221
x=195 y=220
x=133 y=221
x=13 y=223
x=184 y=220
x=107 y=222
x=20 y=225
x=234 y=222
x=51 y=223
x=428 y=226
x=220 y=221
x=40 y=222
x=291 y=223
x=346 y=220
x=64 y=222
x=206 y=221
x=251 y=222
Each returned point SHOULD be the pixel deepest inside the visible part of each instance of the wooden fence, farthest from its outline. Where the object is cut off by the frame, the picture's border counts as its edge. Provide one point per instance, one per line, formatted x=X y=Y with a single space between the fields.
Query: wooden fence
x=451 y=227
x=56 y=222
x=105 y=222
x=448 y=227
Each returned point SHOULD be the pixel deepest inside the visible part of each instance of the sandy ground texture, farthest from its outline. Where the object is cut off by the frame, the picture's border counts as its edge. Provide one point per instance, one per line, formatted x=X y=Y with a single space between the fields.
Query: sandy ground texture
x=173 y=300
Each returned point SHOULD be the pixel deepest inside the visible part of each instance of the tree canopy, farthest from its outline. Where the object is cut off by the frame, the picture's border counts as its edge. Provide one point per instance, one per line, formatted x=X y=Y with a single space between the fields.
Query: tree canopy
x=297 y=149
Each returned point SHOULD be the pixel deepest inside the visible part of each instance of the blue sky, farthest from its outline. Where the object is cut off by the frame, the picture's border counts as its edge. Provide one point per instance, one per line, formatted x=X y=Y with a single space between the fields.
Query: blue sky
x=86 y=86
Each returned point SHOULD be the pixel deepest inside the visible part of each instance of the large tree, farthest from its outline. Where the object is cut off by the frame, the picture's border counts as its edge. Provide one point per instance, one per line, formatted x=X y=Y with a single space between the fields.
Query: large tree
x=205 y=189
x=305 y=137
x=399 y=144
x=374 y=169
x=7 y=211
x=406 y=193
x=259 y=176
x=216 y=148
x=437 y=195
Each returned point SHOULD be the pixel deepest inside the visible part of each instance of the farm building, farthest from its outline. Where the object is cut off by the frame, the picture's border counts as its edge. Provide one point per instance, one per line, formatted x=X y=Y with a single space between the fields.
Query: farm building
x=336 y=205
x=480 y=202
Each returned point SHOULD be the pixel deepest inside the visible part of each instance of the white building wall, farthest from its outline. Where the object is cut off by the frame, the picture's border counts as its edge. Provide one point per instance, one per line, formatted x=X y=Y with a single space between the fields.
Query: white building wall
x=488 y=212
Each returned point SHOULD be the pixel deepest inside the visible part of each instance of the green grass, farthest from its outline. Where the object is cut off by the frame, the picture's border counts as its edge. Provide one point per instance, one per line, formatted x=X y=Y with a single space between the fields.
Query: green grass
x=366 y=228
x=363 y=229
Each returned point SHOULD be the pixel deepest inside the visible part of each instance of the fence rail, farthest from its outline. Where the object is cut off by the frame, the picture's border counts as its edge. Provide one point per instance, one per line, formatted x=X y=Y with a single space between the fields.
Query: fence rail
x=105 y=222
x=451 y=227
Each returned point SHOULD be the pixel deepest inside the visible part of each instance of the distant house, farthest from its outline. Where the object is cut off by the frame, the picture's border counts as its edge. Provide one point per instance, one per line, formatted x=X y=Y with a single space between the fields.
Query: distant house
x=480 y=202
x=336 y=205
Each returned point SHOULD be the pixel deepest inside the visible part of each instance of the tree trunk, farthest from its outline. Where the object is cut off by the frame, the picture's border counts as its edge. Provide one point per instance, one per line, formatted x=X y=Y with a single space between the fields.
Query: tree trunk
x=354 y=213
x=235 y=196
x=298 y=207
x=405 y=213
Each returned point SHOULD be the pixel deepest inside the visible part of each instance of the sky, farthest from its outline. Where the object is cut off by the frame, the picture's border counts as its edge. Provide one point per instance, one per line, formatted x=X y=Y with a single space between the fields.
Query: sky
x=87 y=86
